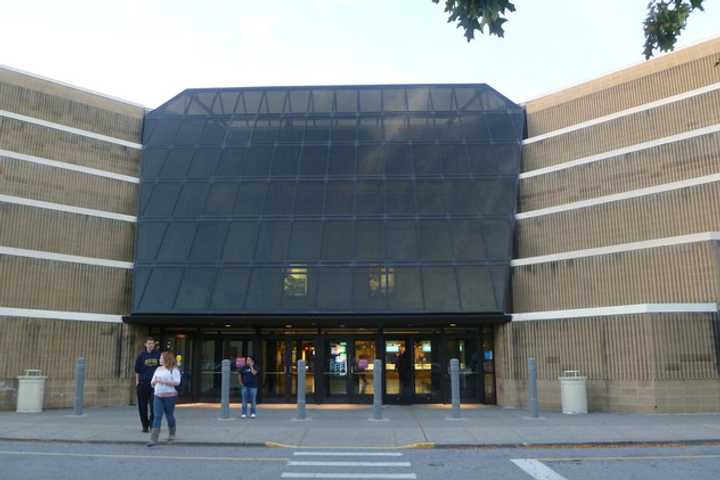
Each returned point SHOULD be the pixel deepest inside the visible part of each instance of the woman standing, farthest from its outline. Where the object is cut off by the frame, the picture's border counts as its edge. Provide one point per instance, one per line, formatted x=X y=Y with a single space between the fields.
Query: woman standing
x=164 y=381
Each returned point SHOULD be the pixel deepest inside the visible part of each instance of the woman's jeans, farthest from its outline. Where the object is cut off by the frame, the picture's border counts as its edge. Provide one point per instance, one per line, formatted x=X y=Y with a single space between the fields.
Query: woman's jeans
x=248 y=396
x=164 y=405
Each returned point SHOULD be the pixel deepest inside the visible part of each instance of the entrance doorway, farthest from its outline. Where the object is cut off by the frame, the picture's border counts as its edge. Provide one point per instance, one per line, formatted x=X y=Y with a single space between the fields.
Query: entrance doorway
x=412 y=370
x=339 y=365
x=477 y=368
x=212 y=351
x=279 y=368
x=350 y=369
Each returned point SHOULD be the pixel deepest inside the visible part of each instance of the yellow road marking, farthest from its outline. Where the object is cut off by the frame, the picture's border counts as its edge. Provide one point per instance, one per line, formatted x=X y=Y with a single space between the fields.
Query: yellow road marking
x=627 y=459
x=153 y=457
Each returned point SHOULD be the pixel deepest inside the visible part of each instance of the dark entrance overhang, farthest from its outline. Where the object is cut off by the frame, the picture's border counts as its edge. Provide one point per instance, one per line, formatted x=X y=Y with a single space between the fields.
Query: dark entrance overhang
x=320 y=320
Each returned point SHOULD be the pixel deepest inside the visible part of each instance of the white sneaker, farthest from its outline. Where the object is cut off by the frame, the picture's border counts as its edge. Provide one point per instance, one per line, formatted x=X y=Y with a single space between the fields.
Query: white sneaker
x=243 y=416
x=252 y=415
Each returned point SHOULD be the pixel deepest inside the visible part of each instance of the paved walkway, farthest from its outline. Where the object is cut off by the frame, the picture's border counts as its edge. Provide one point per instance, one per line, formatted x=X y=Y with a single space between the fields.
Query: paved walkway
x=349 y=426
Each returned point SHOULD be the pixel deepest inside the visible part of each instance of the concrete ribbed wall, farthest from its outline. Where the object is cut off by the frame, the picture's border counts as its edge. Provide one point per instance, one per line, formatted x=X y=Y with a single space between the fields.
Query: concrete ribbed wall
x=60 y=232
x=51 y=285
x=678 y=212
x=665 y=76
x=648 y=362
x=696 y=157
x=638 y=362
x=675 y=274
x=50 y=184
x=677 y=117
x=53 y=346
x=54 y=102
x=39 y=141
x=41 y=283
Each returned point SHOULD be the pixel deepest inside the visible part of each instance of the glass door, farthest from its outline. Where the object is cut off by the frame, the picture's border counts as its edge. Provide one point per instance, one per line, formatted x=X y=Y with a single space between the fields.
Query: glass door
x=475 y=355
x=279 y=369
x=337 y=372
x=208 y=381
x=412 y=370
x=427 y=373
x=236 y=350
x=398 y=371
x=486 y=362
x=181 y=344
x=303 y=350
x=274 y=370
x=349 y=369
x=362 y=371
x=213 y=350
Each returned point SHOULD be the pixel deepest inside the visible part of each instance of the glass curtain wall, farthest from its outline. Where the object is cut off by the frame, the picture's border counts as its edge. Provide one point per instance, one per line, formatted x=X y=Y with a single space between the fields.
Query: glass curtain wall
x=332 y=200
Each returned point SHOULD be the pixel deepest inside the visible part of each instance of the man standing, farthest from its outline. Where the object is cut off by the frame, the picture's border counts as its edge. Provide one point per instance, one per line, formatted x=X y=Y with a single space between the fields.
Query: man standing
x=249 y=381
x=404 y=369
x=145 y=365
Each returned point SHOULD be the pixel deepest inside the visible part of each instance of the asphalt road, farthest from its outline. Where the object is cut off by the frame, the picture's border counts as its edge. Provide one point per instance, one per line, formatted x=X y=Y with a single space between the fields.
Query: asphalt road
x=59 y=461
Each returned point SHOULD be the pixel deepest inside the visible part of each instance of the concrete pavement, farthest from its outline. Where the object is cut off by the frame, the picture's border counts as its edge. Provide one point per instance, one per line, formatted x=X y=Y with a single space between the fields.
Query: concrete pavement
x=340 y=426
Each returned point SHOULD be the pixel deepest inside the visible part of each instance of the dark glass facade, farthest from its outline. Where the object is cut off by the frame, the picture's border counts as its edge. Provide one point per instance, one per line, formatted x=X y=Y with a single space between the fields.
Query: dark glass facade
x=328 y=200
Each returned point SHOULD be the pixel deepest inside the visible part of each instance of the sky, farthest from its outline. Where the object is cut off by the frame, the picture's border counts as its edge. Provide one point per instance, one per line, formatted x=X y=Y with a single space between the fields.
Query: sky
x=147 y=51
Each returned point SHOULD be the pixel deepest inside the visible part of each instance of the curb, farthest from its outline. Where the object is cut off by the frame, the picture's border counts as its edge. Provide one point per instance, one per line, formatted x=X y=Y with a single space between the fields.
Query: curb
x=410 y=446
x=581 y=445
x=135 y=442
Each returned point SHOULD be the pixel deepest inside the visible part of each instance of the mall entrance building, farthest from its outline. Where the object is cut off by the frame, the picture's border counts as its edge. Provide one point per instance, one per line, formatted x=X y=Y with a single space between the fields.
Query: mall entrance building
x=334 y=224
x=406 y=223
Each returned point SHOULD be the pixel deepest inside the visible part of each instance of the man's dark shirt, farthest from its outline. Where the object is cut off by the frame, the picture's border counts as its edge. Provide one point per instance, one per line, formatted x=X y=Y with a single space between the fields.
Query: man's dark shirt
x=248 y=379
x=403 y=366
x=146 y=364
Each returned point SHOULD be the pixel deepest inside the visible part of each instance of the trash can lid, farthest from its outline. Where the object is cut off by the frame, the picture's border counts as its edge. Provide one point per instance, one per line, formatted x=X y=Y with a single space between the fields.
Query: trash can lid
x=571 y=375
x=32 y=375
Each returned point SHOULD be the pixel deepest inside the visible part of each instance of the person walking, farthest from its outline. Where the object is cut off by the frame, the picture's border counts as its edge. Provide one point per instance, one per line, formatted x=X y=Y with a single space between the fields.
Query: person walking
x=145 y=365
x=164 y=381
x=249 y=380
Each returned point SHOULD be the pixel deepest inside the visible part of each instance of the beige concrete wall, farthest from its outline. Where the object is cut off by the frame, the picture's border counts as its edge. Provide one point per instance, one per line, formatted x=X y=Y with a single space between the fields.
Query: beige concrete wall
x=74 y=287
x=44 y=284
x=665 y=76
x=49 y=184
x=678 y=212
x=53 y=346
x=61 y=232
x=682 y=116
x=648 y=362
x=696 y=157
x=39 y=141
x=674 y=274
x=67 y=105
x=659 y=362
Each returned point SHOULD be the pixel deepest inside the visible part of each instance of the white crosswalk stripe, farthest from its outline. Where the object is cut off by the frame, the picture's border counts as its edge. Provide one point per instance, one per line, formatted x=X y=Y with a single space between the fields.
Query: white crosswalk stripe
x=348 y=464
x=536 y=469
x=347 y=454
x=329 y=465
x=380 y=476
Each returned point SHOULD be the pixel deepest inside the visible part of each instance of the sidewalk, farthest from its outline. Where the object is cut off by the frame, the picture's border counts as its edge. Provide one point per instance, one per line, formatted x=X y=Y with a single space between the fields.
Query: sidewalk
x=340 y=426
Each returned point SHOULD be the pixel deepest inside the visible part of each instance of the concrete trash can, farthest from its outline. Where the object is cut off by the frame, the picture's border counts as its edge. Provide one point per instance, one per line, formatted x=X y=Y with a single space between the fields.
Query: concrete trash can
x=31 y=392
x=573 y=393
